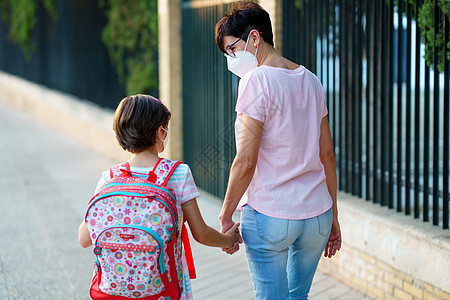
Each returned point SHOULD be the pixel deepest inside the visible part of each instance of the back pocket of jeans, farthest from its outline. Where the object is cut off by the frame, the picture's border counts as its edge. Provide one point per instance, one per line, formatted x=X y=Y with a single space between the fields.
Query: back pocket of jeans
x=271 y=230
x=325 y=221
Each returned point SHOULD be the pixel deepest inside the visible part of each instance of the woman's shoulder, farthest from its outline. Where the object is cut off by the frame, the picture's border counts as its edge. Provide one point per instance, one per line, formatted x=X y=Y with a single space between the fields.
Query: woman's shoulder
x=257 y=73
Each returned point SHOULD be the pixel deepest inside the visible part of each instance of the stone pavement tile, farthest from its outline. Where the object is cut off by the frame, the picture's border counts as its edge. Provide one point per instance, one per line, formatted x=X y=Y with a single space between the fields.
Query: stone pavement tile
x=354 y=295
x=3 y=286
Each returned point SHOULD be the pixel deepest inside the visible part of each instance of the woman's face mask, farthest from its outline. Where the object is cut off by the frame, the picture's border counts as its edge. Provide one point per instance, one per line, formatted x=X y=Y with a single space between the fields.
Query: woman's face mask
x=243 y=62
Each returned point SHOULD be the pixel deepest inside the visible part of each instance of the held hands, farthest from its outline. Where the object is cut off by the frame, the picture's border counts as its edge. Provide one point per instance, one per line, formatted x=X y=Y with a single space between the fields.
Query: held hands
x=334 y=241
x=230 y=228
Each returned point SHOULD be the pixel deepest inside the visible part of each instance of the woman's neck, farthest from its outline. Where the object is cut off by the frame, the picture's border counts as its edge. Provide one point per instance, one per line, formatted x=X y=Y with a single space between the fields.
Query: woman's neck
x=144 y=159
x=267 y=55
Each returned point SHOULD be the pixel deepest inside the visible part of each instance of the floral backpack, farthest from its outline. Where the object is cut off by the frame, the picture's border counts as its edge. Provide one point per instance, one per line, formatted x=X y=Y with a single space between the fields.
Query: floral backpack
x=135 y=230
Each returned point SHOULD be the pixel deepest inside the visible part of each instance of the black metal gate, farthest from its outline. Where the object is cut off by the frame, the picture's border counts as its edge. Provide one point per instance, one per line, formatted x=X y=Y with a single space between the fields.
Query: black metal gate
x=69 y=54
x=209 y=97
x=388 y=111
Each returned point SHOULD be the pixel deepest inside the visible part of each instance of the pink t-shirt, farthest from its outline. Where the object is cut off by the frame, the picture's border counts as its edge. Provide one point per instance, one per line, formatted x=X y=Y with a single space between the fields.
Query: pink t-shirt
x=289 y=181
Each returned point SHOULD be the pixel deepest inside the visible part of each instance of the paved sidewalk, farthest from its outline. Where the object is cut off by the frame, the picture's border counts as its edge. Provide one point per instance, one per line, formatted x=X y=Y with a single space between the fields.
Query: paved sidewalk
x=45 y=183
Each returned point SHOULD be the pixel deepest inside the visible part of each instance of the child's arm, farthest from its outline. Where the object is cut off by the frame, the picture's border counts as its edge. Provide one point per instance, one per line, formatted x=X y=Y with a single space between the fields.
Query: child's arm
x=83 y=235
x=203 y=233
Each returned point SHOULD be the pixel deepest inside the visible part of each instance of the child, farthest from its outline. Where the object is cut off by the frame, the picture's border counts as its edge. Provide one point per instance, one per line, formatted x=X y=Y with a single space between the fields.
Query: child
x=141 y=127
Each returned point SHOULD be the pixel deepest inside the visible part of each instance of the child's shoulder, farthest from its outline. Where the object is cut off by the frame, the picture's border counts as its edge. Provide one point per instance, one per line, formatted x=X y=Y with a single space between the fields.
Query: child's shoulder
x=182 y=170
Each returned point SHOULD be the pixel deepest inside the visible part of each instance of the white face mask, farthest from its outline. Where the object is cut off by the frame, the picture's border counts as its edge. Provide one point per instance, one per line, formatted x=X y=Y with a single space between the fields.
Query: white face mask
x=243 y=63
x=165 y=140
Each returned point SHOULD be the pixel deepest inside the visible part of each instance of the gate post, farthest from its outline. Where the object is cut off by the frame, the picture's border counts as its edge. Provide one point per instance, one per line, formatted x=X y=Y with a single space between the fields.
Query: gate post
x=170 y=71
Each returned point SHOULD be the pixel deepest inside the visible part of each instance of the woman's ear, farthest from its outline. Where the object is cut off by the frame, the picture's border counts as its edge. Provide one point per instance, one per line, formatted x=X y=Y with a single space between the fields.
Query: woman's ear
x=255 y=37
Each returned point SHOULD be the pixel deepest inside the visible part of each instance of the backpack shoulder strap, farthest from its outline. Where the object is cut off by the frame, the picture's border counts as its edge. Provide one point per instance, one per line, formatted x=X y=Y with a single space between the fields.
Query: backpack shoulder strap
x=122 y=169
x=164 y=170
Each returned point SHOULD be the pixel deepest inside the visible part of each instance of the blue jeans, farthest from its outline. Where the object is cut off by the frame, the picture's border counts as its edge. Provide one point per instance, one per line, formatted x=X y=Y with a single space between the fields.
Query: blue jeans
x=283 y=255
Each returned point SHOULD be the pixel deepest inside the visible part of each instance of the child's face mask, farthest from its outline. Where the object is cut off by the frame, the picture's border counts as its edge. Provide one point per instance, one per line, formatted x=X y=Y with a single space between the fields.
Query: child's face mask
x=165 y=140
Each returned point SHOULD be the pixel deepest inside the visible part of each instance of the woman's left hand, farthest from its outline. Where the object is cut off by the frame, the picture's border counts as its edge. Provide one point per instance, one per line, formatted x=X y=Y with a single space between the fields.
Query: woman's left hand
x=334 y=241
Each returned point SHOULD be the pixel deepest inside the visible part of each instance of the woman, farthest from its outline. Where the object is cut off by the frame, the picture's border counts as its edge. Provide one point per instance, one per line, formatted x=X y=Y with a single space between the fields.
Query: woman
x=284 y=174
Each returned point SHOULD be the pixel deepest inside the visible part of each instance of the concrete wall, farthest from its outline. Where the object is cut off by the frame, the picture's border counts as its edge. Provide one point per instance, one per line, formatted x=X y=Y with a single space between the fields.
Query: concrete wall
x=389 y=255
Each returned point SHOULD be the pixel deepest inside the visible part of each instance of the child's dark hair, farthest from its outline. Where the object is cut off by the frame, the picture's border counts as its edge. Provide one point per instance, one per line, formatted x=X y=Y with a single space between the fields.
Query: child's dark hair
x=243 y=17
x=136 y=121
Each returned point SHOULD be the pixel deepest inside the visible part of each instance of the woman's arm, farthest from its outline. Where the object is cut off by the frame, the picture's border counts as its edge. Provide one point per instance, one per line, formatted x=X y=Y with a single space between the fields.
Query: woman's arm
x=329 y=163
x=242 y=169
x=204 y=234
x=83 y=235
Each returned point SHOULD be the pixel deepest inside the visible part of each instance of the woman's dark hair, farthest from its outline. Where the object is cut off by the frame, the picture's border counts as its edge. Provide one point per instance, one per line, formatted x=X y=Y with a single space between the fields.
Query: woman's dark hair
x=136 y=120
x=243 y=17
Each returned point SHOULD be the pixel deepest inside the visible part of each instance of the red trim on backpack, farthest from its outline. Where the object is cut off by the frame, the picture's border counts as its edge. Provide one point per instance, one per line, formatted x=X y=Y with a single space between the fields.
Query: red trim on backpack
x=152 y=175
x=170 y=173
x=188 y=252
x=126 y=172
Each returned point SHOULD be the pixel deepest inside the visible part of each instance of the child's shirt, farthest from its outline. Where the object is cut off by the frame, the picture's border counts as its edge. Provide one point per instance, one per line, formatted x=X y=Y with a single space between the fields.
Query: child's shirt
x=183 y=185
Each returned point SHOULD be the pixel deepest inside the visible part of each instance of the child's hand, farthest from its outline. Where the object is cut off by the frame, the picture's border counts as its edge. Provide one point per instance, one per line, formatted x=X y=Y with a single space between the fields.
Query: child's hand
x=234 y=232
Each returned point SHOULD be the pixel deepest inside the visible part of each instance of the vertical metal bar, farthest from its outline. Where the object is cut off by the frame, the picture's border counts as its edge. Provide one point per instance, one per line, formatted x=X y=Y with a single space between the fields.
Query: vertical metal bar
x=333 y=82
x=417 y=118
x=354 y=97
x=346 y=79
x=359 y=96
x=408 y=113
x=445 y=172
x=375 y=102
x=399 y=103
x=327 y=52
x=436 y=118
x=383 y=106
x=319 y=20
x=391 y=105
x=368 y=93
x=426 y=144
x=305 y=33
x=308 y=37
x=342 y=183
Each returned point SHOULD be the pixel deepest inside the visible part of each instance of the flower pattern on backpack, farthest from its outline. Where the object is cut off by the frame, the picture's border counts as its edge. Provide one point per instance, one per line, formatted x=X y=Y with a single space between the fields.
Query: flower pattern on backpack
x=134 y=225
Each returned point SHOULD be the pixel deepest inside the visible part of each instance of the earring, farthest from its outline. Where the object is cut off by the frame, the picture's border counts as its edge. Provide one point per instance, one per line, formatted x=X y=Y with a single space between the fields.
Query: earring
x=254 y=44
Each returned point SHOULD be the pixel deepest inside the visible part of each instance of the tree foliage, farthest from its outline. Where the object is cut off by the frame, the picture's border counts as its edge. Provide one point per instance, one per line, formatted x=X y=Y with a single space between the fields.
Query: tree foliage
x=131 y=36
x=21 y=15
x=427 y=24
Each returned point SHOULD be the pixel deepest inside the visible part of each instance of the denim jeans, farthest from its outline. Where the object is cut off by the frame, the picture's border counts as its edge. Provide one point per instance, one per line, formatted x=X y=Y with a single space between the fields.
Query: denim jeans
x=283 y=255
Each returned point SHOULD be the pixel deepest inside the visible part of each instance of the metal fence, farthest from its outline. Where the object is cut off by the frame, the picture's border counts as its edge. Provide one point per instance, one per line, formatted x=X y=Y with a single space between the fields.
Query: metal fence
x=209 y=97
x=388 y=111
x=68 y=54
